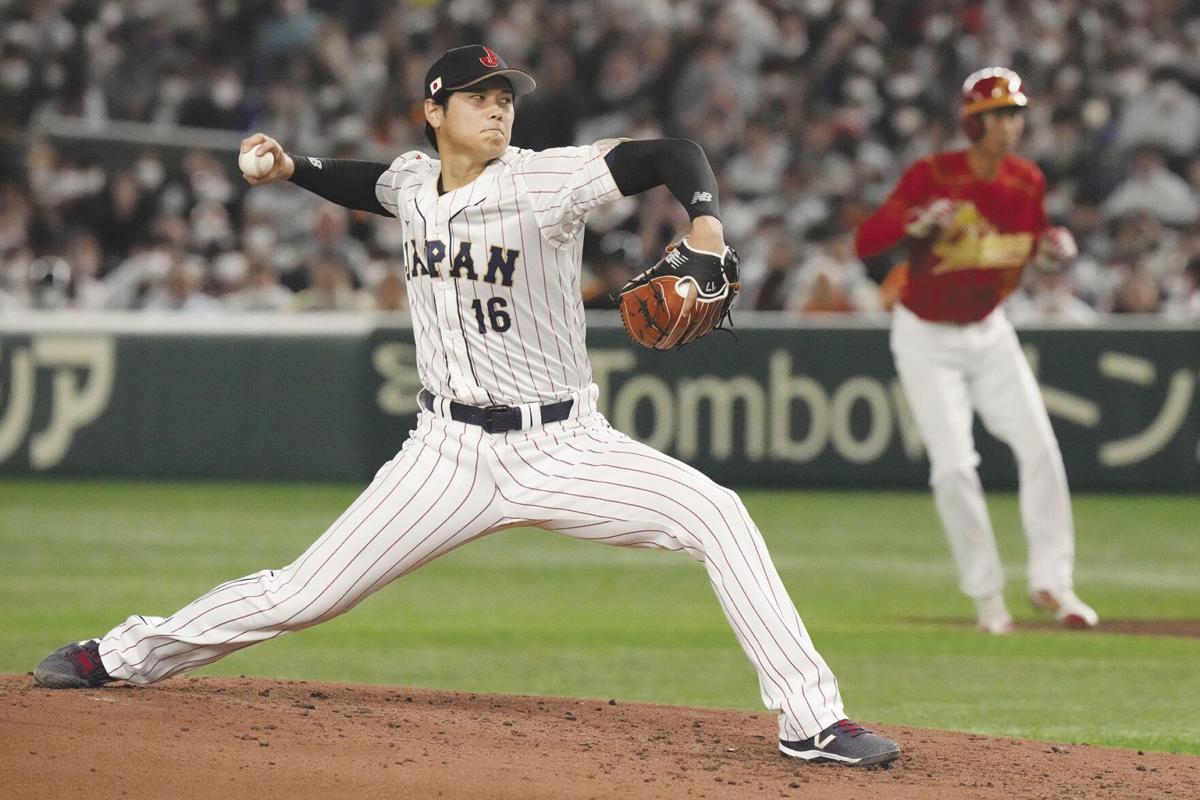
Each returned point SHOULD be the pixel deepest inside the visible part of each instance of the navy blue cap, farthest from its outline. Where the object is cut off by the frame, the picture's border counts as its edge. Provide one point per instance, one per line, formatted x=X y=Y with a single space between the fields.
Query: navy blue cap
x=465 y=66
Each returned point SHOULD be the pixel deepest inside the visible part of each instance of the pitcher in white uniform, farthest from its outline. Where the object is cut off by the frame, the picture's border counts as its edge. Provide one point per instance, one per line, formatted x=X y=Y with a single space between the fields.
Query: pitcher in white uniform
x=509 y=433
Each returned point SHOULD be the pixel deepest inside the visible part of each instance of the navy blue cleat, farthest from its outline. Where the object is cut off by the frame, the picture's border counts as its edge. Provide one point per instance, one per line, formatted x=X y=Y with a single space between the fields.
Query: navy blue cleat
x=73 y=666
x=844 y=742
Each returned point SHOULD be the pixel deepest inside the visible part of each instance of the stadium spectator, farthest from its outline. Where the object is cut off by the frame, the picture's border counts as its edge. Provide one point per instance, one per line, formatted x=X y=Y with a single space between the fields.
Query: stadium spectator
x=803 y=108
x=391 y=292
x=1137 y=293
x=611 y=262
x=85 y=259
x=330 y=233
x=1187 y=303
x=331 y=287
x=260 y=290
x=1048 y=297
x=1154 y=189
x=832 y=280
x=775 y=281
x=181 y=290
x=124 y=216
x=1166 y=116
x=221 y=106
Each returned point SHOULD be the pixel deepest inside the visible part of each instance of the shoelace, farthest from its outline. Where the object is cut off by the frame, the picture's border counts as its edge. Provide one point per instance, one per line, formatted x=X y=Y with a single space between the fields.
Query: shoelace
x=89 y=660
x=852 y=729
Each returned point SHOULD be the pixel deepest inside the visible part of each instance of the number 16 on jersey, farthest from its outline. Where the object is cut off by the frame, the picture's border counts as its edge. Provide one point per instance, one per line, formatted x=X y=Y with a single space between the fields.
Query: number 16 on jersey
x=497 y=318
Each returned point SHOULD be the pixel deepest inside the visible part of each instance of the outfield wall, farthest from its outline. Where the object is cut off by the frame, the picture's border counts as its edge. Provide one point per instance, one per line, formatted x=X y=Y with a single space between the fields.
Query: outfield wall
x=332 y=397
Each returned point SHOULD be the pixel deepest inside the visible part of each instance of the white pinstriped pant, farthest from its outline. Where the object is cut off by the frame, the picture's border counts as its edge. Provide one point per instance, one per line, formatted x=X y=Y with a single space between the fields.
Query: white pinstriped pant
x=452 y=483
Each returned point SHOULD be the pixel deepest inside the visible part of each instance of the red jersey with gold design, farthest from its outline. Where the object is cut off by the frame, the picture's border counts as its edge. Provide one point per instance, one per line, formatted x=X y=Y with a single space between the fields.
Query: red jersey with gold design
x=961 y=273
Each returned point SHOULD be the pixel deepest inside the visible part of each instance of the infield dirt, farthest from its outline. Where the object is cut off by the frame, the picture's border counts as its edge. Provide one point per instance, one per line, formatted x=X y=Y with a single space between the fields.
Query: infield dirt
x=234 y=738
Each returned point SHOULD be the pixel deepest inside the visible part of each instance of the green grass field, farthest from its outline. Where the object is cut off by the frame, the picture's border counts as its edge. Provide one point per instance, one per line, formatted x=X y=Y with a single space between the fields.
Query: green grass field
x=532 y=613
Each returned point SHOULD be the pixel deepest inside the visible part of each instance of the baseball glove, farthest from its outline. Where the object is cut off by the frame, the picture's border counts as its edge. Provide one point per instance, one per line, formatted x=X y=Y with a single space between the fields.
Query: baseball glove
x=684 y=296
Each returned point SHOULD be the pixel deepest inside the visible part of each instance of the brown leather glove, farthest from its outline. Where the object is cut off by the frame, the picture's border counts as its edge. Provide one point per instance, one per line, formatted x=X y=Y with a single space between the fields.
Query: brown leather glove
x=681 y=298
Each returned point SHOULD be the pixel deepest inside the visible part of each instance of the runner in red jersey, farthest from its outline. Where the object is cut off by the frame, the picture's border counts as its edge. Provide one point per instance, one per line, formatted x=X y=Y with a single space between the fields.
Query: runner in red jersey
x=989 y=226
x=971 y=220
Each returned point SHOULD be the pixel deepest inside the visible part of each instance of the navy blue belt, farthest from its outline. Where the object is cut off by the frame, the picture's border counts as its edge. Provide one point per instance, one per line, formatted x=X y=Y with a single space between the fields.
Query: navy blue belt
x=497 y=419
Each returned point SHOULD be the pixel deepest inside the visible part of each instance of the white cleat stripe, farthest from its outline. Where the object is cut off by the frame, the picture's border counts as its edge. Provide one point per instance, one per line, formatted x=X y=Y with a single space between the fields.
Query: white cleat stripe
x=809 y=755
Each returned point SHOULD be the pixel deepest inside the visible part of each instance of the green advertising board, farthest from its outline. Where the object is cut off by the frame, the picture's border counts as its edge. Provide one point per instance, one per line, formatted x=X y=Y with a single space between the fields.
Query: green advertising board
x=206 y=402
x=775 y=406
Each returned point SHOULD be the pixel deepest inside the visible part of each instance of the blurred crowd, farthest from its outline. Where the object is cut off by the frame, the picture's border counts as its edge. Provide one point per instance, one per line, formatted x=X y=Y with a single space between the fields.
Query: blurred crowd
x=808 y=109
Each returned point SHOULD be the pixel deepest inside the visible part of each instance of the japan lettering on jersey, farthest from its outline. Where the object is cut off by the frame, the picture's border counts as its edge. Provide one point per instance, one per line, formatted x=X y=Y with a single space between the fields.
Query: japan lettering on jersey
x=493 y=271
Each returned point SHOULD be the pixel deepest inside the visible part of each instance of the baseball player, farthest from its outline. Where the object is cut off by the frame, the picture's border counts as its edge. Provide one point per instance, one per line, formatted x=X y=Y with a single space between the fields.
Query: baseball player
x=508 y=433
x=971 y=220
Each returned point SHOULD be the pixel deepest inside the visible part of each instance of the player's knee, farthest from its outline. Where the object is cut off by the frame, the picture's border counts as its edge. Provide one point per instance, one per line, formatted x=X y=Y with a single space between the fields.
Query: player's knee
x=728 y=504
x=731 y=521
x=1042 y=465
x=683 y=532
x=962 y=474
x=719 y=504
x=1038 y=453
x=706 y=519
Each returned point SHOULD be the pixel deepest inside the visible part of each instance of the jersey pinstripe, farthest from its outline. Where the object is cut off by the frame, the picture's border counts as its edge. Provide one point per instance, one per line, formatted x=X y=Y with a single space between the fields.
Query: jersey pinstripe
x=493 y=275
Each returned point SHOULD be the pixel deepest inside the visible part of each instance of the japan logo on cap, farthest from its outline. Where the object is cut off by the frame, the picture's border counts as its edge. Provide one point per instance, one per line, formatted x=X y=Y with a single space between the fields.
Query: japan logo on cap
x=491 y=59
x=435 y=85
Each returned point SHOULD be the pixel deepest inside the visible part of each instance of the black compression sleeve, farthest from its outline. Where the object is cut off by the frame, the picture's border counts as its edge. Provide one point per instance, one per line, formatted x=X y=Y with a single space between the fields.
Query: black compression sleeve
x=343 y=181
x=680 y=164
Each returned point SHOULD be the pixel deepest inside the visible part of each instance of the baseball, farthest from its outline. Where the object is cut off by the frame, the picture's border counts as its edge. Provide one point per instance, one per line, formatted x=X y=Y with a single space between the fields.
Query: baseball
x=255 y=166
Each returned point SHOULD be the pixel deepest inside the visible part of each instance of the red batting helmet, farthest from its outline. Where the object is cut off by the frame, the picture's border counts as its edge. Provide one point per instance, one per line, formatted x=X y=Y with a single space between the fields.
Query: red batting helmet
x=986 y=89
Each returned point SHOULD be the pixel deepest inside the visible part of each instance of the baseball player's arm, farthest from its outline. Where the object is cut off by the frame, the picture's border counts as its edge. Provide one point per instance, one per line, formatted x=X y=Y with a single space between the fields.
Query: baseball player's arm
x=342 y=181
x=1055 y=247
x=611 y=168
x=678 y=164
x=681 y=166
x=888 y=225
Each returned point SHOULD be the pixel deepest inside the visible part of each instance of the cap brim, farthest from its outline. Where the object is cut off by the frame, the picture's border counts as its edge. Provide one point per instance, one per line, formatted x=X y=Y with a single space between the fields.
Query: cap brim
x=522 y=82
x=1014 y=100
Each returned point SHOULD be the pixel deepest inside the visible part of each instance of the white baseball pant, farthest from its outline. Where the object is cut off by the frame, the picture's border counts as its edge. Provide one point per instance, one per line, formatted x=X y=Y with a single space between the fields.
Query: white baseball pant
x=950 y=371
x=451 y=483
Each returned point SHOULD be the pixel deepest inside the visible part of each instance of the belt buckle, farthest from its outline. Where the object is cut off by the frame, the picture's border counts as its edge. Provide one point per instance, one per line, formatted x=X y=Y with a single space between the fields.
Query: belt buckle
x=501 y=419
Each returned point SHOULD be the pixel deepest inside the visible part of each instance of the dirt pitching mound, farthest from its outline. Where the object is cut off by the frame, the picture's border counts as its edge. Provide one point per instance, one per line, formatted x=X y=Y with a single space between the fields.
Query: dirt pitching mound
x=233 y=738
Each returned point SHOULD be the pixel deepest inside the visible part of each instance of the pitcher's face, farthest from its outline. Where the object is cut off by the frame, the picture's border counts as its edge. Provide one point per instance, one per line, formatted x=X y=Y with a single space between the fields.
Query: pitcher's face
x=475 y=121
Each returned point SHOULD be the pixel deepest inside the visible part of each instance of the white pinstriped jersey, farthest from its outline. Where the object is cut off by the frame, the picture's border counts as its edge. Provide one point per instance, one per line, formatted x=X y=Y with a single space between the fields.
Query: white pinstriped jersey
x=493 y=271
